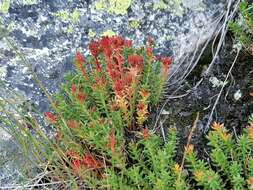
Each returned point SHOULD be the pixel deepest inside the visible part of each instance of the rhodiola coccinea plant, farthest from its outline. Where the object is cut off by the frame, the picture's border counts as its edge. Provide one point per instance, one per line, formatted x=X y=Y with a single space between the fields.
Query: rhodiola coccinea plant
x=106 y=103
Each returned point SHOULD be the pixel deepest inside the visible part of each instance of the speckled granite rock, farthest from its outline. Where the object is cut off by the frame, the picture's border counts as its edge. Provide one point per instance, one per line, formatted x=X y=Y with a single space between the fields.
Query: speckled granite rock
x=48 y=32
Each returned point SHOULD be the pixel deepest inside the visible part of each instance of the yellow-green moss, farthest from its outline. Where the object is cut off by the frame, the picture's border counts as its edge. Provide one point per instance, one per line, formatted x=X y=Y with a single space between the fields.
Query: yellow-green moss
x=70 y=29
x=62 y=15
x=118 y=7
x=160 y=5
x=134 y=24
x=66 y=16
x=109 y=33
x=175 y=6
x=75 y=16
x=91 y=33
x=4 y=6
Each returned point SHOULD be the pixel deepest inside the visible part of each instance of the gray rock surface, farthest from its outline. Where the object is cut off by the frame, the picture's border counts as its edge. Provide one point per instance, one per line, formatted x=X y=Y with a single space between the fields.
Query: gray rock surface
x=49 y=32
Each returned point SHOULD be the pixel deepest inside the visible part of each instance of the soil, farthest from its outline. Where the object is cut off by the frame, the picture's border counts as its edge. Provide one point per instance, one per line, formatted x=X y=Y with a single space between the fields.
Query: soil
x=233 y=113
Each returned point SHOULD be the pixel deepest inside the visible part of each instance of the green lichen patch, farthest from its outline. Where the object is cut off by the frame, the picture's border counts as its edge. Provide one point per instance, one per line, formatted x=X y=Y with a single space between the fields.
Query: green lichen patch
x=175 y=6
x=109 y=33
x=66 y=16
x=161 y=5
x=135 y=24
x=4 y=6
x=75 y=16
x=118 y=7
x=91 y=33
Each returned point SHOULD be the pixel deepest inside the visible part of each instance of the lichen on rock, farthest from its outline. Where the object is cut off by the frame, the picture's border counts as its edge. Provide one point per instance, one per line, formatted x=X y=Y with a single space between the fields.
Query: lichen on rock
x=117 y=7
x=4 y=6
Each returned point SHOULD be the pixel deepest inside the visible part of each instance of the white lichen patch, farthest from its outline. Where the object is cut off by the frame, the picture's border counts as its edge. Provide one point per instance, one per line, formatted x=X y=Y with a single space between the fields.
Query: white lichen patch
x=216 y=82
x=237 y=95
x=3 y=72
x=196 y=5
x=4 y=135
x=30 y=2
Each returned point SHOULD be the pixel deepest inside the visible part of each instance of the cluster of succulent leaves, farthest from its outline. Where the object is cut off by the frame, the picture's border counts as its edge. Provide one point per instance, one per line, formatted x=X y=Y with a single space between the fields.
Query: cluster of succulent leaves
x=102 y=105
x=242 y=27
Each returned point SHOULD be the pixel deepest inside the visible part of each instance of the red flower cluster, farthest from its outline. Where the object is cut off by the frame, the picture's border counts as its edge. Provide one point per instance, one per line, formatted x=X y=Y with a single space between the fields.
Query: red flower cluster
x=87 y=161
x=81 y=96
x=51 y=117
x=80 y=60
x=166 y=61
x=136 y=61
x=112 y=141
x=145 y=133
x=112 y=50
x=72 y=123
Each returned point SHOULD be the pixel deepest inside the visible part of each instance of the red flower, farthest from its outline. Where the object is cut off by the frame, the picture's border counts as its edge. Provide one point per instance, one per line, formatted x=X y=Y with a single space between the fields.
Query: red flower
x=76 y=165
x=94 y=48
x=80 y=58
x=142 y=106
x=72 y=124
x=145 y=133
x=81 y=97
x=117 y=42
x=149 y=51
x=118 y=60
x=73 y=155
x=118 y=87
x=114 y=74
x=112 y=141
x=74 y=88
x=135 y=60
x=166 y=61
x=128 y=78
x=106 y=46
x=90 y=162
x=79 y=63
x=128 y=43
x=51 y=117
x=98 y=66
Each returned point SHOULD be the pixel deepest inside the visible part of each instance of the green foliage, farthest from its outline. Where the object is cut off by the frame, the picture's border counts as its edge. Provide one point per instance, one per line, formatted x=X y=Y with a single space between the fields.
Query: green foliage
x=230 y=160
x=242 y=27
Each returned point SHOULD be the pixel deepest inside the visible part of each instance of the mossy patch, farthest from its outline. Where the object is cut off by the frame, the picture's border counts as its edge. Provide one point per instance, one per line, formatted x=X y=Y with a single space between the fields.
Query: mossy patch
x=109 y=33
x=4 y=6
x=135 y=24
x=118 y=7
x=161 y=5
x=175 y=6
x=66 y=16
x=91 y=33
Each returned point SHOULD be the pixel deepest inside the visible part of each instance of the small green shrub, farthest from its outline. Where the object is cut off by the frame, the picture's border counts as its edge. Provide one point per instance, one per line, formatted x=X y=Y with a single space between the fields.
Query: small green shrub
x=242 y=27
x=230 y=165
